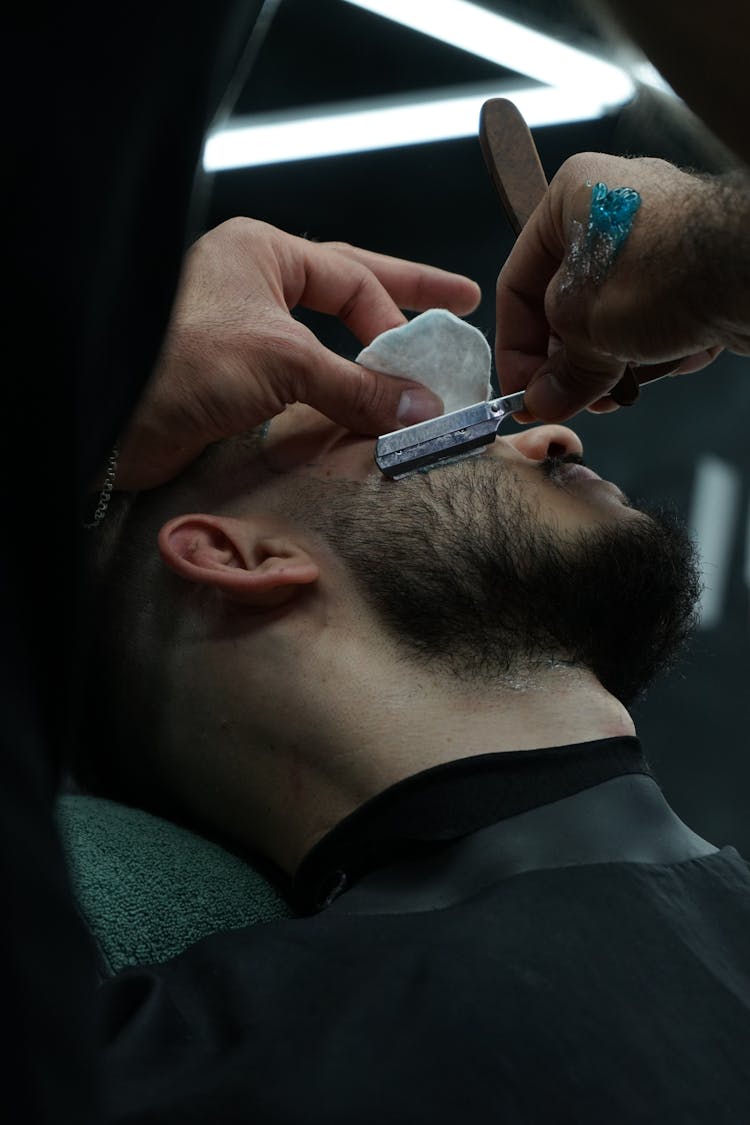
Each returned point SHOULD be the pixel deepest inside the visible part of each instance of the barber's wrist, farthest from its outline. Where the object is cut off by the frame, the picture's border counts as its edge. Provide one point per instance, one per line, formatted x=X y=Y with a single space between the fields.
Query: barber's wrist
x=718 y=238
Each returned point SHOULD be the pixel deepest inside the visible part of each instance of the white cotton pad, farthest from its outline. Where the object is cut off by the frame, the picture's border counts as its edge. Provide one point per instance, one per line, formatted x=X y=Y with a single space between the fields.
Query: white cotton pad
x=438 y=349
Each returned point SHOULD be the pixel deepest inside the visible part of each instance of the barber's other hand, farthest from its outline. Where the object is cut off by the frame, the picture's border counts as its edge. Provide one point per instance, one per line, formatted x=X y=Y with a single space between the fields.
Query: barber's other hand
x=234 y=356
x=669 y=304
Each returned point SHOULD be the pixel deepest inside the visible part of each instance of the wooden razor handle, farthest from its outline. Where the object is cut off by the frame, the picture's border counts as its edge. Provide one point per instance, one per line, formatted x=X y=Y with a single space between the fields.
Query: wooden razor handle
x=516 y=171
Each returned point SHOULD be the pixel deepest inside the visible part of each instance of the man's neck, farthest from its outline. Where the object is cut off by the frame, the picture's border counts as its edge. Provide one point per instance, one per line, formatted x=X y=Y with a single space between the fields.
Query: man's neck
x=379 y=735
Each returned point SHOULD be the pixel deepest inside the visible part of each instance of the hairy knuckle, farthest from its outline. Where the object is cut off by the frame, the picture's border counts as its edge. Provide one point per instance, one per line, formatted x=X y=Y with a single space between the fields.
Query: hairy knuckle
x=656 y=164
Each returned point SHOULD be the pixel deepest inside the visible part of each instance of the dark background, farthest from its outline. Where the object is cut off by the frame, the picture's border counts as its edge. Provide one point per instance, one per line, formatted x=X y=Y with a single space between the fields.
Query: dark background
x=435 y=203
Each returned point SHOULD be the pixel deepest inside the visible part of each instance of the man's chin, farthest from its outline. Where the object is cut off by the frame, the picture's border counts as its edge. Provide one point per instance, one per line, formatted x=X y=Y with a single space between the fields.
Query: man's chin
x=654 y=588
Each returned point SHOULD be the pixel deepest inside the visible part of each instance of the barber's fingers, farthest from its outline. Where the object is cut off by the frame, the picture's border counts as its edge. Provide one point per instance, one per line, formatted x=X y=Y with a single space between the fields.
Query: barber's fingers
x=646 y=373
x=361 y=400
x=416 y=285
x=695 y=362
x=367 y=291
x=569 y=381
x=523 y=330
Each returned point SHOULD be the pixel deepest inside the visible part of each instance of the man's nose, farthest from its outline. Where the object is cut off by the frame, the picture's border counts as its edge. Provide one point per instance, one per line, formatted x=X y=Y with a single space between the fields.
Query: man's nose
x=539 y=442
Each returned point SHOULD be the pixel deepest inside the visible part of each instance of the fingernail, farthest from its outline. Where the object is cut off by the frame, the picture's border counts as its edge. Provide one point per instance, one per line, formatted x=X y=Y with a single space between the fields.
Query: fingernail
x=417 y=406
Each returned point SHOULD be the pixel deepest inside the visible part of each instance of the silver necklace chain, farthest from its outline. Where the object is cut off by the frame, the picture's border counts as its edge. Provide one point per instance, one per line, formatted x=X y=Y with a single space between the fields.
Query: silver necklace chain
x=106 y=491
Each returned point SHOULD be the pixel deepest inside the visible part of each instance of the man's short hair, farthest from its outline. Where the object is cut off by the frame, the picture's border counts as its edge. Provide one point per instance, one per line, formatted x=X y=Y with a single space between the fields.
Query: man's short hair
x=133 y=602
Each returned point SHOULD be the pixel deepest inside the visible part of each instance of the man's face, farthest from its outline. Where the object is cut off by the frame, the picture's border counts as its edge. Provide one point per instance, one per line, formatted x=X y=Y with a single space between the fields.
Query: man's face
x=503 y=563
x=566 y=495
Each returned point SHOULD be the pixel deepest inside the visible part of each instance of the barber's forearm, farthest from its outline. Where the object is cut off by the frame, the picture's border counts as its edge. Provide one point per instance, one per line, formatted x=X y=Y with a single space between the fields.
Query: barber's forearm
x=702 y=50
x=719 y=242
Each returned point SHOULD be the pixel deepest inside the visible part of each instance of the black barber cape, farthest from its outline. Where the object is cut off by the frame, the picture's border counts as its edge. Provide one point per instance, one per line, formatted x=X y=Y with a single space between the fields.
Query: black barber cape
x=528 y=938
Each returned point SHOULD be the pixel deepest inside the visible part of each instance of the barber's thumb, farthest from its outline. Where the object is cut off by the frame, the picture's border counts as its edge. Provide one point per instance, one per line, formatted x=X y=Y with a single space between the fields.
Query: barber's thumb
x=566 y=384
x=370 y=402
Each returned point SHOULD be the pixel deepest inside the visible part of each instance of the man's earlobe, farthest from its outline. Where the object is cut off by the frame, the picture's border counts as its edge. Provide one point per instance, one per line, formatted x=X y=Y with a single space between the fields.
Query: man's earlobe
x=237 y=558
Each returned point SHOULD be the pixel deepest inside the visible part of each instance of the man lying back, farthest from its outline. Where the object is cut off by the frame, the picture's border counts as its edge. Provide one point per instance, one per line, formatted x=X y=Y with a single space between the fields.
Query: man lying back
x=412 y=697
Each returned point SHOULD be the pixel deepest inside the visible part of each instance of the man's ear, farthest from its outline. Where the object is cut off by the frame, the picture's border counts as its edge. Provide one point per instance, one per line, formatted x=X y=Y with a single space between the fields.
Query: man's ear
x=235 y=557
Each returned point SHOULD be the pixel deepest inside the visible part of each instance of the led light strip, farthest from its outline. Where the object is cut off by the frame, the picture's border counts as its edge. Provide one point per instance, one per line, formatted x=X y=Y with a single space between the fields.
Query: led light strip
x=365 y=126
x=499 y=40
x=578 y=87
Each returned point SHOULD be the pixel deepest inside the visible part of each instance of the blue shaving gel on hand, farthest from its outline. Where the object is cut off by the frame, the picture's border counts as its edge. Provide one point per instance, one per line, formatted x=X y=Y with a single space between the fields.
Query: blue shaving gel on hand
x=593 y=248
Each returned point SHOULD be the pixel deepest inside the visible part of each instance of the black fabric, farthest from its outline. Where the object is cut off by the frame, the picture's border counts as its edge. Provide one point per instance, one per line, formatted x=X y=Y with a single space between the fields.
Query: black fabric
x=106 y=109
x=623 y=820
x=596 y=989
x=449 y=800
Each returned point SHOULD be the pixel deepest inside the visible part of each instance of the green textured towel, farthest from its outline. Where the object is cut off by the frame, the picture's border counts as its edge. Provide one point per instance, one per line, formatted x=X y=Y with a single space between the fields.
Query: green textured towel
x=148 y=889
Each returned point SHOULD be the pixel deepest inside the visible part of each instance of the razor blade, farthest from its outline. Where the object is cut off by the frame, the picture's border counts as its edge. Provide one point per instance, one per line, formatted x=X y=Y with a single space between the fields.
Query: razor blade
x=447 y=438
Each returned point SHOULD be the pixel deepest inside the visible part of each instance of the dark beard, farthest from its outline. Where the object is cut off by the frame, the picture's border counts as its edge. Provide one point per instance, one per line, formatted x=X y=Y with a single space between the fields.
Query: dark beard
x=467 y=580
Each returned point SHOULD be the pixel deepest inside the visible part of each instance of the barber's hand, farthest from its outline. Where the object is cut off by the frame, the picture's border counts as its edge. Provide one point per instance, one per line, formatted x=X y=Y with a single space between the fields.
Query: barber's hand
x=669 y=303
x=234 y=356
